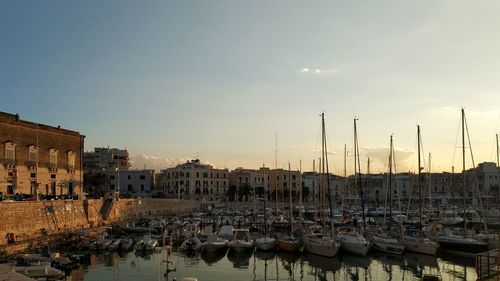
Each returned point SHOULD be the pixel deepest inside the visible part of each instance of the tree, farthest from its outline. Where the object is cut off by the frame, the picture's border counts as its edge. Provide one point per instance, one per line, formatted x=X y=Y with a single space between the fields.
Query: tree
x=231 y=192
x=244 y=191
x=305 y=193
x=94 y=183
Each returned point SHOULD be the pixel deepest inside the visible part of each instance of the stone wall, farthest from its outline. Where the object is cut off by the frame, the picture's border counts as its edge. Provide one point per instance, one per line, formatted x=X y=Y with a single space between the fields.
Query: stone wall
x=27 y=221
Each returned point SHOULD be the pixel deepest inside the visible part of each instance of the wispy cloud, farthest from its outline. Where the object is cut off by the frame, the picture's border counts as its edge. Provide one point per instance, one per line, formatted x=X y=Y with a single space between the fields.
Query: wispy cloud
x=318 y=71
x=381 y=156
x=142 y=161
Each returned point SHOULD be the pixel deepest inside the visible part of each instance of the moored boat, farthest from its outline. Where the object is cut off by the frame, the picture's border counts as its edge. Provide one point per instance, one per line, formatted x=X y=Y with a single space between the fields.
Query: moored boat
x=387 y=245
x=321 y=244
x=355 y=243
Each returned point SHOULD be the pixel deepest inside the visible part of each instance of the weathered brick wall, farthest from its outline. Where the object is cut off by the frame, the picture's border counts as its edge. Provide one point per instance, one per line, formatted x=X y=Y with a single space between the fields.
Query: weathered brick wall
x=31 y=220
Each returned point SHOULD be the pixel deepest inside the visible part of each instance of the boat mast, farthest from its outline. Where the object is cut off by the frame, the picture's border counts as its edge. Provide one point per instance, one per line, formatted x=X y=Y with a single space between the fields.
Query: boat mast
x=357 y=176
x=276 y=174
x=290 y=198
x=344 y=192
x=430 y=183
x=327 y=171
x=390 y=182
x=265 y=211
x=463 y=169
x=300 y=195
x=498 y=156
x=419 y=178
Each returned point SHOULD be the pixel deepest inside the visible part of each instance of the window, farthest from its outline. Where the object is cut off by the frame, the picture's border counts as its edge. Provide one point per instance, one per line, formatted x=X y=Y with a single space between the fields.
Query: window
x=143 y=177
x=142 y=187
x=128 y=177
x=112 y=177
x=33 y=154
x=71 y=160
x=53 y=157
x=10 y=151
x=129 y=187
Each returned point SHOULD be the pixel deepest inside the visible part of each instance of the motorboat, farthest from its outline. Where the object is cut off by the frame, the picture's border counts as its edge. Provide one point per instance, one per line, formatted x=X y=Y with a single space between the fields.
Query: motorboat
x=146 y=244
x=214 y=244
x=240 y=241
x=265 y=243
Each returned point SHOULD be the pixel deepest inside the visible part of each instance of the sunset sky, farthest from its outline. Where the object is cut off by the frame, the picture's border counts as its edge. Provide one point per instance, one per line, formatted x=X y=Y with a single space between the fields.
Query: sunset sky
x=172 y=80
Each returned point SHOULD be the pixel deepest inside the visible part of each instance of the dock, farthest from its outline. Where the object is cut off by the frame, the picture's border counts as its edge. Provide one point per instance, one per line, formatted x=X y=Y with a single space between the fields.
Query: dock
x=7 y=274
x=488 y=265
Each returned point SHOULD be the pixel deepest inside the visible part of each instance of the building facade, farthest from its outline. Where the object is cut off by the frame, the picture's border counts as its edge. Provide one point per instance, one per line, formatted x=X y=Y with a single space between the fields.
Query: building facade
x=39 y=159
x=105 y=158
x=256 y=180
x=194 y=180
x=131 y=182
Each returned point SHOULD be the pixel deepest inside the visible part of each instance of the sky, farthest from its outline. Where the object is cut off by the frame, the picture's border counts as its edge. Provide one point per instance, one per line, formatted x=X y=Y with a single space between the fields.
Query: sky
x=230 y=82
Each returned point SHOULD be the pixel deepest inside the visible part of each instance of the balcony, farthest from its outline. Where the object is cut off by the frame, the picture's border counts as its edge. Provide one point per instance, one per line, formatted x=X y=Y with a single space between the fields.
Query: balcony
x=32 y=165
x=9 y=162
x=52 y=167
x=70 y=168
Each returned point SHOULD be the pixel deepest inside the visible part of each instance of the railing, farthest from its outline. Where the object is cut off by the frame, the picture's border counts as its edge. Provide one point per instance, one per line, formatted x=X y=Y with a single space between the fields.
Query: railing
x=488 y=265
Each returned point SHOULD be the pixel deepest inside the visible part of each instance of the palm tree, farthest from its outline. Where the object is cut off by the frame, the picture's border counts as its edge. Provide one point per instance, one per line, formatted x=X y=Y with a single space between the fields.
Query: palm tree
x=231 y=192
x=305 y=193
x=244 y=191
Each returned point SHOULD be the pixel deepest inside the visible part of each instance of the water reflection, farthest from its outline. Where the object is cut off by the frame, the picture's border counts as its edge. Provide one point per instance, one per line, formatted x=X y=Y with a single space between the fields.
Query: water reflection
x=239 y=259
x=212 y=257
x=264 y=255
x=272 y=265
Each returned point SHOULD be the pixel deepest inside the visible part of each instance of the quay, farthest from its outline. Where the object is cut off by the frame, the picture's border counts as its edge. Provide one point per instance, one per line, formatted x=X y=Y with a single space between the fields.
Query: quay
x=30 y=223
x=7 y=274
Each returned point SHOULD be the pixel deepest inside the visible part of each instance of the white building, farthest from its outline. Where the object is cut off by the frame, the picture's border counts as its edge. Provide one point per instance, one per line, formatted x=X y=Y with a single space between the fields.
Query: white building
x=131 y=182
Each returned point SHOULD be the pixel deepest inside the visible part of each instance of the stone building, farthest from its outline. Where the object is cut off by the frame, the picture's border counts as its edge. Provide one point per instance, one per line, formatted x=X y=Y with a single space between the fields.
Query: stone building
x=282 y=180
x=194 y=180
x=37 y=158
x=257 y=180
x=105 y=158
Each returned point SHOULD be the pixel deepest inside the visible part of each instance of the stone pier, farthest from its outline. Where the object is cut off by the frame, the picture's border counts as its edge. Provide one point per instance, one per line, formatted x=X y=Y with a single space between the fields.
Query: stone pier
x=26 y=223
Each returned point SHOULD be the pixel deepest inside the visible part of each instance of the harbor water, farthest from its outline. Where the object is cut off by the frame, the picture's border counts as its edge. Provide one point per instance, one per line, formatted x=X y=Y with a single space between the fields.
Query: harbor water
x=275 y=265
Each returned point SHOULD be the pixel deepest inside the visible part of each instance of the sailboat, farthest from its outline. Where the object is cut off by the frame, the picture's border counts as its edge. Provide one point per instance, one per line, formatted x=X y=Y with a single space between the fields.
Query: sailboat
x=461 y=244
x=290 y=243
x=323 y=243
x=383 y=241
x=265 y=243
x=417 y=242
x=352 y=241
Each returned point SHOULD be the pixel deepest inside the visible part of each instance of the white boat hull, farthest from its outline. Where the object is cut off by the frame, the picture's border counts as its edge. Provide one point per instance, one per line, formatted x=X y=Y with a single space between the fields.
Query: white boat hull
x=354 y=244
x=240 y=246
x=318 y=246
x=420 y=245
x=388 y=245
x=265 y=243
